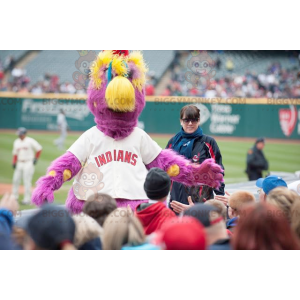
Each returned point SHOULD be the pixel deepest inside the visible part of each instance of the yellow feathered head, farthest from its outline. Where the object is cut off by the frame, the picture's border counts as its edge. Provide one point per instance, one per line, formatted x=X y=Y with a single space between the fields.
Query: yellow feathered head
x=120 y=73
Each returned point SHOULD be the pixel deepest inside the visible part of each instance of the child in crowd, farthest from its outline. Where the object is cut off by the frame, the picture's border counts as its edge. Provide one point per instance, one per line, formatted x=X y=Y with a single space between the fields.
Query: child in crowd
x=122 y=230
x=88 y=233
x=184 y=233
x=153 y=215
x=214 y=223
x=236 y=202
x=51 y=228
x=99 y=207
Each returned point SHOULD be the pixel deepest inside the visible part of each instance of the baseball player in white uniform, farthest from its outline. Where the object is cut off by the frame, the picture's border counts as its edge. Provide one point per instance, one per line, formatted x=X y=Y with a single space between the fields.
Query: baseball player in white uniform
x=63 y=126
x=26 y=152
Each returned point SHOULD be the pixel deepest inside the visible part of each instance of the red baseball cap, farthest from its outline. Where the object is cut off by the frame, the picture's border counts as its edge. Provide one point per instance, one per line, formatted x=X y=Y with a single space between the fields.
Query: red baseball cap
x=184 y=233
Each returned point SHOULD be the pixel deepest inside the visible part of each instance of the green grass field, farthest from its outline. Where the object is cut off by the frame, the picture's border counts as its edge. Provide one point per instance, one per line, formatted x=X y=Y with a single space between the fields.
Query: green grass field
x=282 y=157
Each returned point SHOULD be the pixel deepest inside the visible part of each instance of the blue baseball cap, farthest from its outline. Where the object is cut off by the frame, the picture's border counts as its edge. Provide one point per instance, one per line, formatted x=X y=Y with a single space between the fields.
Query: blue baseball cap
x=270 y=183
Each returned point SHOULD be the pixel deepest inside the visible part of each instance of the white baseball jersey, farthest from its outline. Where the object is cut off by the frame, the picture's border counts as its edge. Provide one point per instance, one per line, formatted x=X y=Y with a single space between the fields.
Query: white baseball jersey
x=121 y=163
x=25 y=149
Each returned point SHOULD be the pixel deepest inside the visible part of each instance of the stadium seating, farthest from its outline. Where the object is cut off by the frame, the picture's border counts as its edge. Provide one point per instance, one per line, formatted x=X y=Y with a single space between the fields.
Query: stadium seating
x=15 y=53
x=62 y=63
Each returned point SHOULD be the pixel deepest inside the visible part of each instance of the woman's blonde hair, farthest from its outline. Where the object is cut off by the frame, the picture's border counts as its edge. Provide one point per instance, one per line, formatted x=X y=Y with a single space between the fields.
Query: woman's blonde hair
x=121 y=227
x=284 y=199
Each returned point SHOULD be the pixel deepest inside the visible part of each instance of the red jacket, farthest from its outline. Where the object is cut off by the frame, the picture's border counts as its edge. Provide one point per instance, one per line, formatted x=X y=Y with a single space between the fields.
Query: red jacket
x=154 y=216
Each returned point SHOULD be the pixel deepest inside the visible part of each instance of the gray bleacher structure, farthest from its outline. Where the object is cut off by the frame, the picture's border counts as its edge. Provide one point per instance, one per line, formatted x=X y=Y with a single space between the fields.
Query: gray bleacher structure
x=252 y=61
x=62 y=63
x=15 y=53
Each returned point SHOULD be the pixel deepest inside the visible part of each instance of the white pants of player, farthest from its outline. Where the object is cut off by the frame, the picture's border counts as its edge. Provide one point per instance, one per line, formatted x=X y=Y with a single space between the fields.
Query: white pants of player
x=23 y=170
x=61 y=140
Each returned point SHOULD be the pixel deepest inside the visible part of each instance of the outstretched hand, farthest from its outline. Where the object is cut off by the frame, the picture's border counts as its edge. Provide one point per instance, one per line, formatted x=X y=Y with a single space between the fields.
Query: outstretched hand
x=180 y=207
x=223 y=199
x=208 y=173
x=9 y=202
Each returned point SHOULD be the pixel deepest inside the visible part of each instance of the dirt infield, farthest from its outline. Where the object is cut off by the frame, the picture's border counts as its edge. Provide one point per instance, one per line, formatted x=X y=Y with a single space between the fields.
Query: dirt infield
x=168 y=136
x=7 y=188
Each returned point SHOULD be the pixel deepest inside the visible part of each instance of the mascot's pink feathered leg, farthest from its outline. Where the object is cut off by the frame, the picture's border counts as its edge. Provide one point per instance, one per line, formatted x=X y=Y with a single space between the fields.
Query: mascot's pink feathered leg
x=62 y=169
x=182 y=170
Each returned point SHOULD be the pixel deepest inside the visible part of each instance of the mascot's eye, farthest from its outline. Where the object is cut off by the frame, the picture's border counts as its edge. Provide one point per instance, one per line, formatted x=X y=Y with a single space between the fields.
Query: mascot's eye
x=130 y=74
x=93 y=177
x=84 y=177
x=84 y=65
x=205 y=64
x=196 y=64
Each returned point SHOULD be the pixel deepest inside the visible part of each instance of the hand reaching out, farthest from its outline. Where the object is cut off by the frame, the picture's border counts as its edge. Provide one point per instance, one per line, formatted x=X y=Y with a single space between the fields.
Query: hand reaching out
x=180 y=207
x=9 y=202
x=223 y=199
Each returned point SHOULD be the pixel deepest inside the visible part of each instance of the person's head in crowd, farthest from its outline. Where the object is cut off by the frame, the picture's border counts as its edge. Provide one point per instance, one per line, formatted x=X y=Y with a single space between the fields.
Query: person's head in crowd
x=122 y=228
x=153 y=215
x=87 y=233
x=184 y=233
x=211 y=219
x=283 y=198
x=260 y=143
x=190 y=118
x=236 y=202
x=51 y=228
x=100 y=207
x=295 y=186
x=220 y=206
x=263 y=226
x=157 y=184
x=268 y=184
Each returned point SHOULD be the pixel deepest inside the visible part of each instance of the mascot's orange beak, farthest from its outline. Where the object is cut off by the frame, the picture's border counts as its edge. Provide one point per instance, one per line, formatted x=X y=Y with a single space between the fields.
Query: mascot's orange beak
x=120 y=95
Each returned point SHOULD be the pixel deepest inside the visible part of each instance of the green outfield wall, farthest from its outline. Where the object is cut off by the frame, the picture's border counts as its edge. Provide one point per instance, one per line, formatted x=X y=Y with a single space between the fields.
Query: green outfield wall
x=235 y=117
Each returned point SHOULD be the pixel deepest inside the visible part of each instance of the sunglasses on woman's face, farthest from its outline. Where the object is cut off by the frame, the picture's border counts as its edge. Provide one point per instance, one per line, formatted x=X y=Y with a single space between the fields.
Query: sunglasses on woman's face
x=187 y=121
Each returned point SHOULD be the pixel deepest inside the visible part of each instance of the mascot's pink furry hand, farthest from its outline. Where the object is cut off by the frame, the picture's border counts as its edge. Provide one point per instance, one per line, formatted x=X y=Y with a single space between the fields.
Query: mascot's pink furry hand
x=183 y=171
x=43 y=192
x=207 y=173
x=62 y=169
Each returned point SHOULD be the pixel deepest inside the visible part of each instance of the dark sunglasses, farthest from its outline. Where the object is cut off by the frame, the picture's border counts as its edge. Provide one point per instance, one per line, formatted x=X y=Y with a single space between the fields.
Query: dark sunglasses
x=187 y=121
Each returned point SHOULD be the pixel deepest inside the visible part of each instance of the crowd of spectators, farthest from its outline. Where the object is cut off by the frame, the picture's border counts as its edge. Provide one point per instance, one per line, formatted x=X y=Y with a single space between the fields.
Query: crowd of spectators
x=231 y=222
x=274 y=82
x=18 y=81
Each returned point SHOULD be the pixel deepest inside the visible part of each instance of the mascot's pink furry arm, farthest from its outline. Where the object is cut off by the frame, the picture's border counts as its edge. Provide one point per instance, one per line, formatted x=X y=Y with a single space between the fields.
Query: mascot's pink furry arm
x=113 y=157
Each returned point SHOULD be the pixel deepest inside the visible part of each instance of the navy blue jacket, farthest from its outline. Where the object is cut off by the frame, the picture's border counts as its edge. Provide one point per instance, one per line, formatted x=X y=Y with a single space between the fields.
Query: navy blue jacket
x=204 y=147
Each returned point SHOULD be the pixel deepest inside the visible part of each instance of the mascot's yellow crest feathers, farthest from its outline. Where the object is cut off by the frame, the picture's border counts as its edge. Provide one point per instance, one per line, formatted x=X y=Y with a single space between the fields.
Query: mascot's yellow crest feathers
x=117 y=61
x=119 y=66
x=136 y=57
x=98 y=67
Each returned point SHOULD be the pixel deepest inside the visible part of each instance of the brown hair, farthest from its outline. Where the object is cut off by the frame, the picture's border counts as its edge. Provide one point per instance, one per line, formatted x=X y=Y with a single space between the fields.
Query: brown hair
x=100 y=207
x=190 y=112
x=283 y=198
x=219 y=206
x=238 y=199
x=263 y=227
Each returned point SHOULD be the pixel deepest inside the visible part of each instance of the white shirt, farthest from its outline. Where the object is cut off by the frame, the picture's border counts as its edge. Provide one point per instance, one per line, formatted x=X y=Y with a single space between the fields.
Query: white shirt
x=61 y=121
x=25 y=149
x=121 y=163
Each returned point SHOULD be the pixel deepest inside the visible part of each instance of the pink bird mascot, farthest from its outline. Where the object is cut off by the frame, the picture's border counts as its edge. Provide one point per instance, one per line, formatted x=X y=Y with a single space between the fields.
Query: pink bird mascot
x=114 y=156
